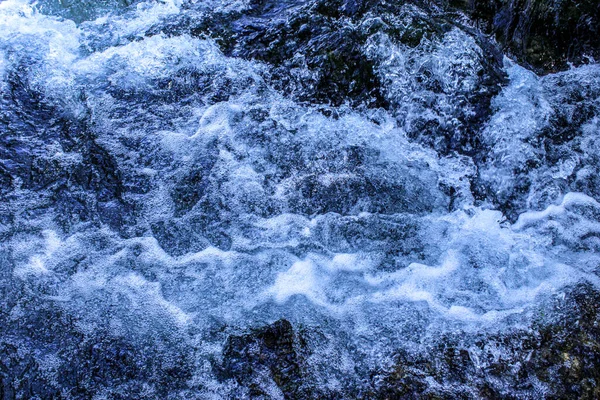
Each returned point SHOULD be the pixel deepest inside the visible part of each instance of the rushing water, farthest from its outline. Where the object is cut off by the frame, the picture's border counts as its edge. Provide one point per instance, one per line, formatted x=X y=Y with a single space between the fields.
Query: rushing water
x=163 y=189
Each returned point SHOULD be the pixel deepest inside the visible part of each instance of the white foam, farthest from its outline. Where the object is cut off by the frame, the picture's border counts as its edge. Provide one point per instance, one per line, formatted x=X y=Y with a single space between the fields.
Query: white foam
x=364 y=274
x=299 y=279
x=569 y=200
x=348 y=262
x=39 y=263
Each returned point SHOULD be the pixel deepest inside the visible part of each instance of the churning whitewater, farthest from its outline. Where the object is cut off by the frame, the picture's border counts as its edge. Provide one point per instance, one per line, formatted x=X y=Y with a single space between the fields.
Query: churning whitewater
x=233 y=199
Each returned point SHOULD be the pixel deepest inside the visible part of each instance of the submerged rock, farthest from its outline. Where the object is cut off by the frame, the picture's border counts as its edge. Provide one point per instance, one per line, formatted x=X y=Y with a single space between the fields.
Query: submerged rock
x=556 y=358
x=46 y=151
x=550 y=360
x=553 y=123
x=82 y=10
x=48 y=356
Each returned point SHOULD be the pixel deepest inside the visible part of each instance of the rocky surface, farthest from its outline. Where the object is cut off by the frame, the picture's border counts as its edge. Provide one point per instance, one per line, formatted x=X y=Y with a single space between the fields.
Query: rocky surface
x=319 y=51
x=267 y=356
x=547 y=35
x=558 y=359
x=48 y=356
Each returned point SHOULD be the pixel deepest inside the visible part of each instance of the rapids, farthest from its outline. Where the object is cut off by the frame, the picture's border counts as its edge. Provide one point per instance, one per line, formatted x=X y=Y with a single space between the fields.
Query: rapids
x=175 y=176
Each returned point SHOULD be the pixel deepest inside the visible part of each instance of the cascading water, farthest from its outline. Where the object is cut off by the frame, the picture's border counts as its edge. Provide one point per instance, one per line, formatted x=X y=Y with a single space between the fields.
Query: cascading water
x=294 y=199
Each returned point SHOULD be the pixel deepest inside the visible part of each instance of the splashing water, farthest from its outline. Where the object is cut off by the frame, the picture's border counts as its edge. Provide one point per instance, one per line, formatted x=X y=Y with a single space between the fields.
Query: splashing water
x=159 y=191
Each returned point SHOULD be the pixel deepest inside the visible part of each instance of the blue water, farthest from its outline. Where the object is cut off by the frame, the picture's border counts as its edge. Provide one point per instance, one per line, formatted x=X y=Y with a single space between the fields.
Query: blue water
x=220 y=202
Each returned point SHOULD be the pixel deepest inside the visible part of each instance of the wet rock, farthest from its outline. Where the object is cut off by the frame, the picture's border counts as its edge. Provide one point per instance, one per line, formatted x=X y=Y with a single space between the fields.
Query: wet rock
x=189 y=190
x=179 y=237
x=45 y=356
x=556 y=359
x=318 y=52
x=266 y=356
x=46 y=151
x=567 y=355
x=317 y=56
x=393 y=235
x=318 y=49
x=354 y=194
x=548 y=35
x=557 y=147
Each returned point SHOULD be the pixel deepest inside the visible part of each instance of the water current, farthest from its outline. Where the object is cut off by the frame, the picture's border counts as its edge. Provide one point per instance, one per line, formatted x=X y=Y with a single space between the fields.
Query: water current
x=177 y=175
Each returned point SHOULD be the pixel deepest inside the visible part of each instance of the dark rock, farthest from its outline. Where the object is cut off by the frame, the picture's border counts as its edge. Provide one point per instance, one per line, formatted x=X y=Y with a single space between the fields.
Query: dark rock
x=88 y=189
x=394 y=235
x=563 y=148
x=45 y=356
x=558 y=356
x=365 y=192
x=317 y=56
x=554 y=359
x=179 y=237
x=272 y=351
x=545 y=34
x=190 y=188
x=317 y=48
